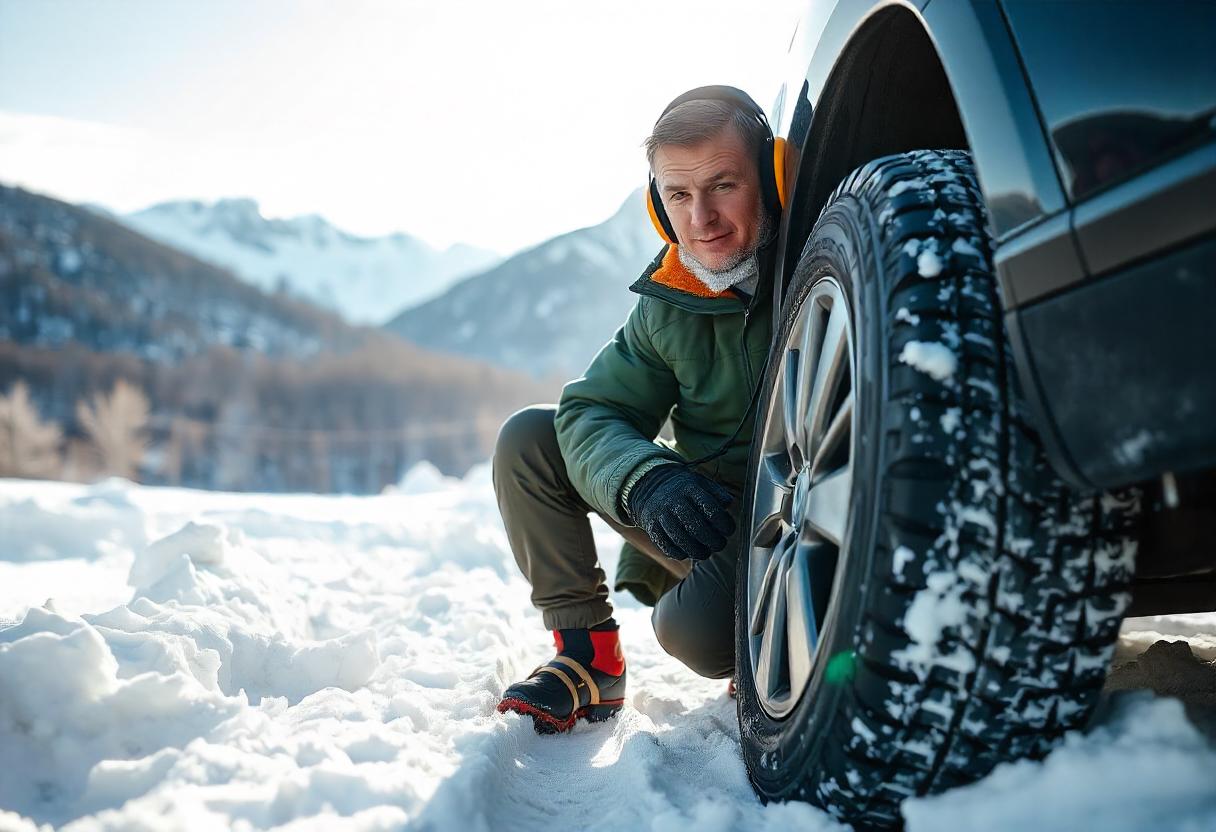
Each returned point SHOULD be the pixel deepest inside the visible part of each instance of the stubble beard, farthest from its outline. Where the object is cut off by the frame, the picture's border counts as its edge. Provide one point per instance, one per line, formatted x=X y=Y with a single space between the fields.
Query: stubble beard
x=740 y=267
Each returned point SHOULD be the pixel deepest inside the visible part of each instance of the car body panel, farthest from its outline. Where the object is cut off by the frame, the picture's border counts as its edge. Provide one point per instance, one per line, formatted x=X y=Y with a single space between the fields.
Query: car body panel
x=1162 y=208
x=1125 y=371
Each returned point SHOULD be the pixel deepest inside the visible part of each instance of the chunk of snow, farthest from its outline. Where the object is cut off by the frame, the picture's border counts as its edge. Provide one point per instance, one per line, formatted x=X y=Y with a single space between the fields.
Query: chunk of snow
x=978 y=517
x=902 y=556
x=951 y=419
x=862 y=730
x=935 y=609
x=930 y=357
x=905 y=185
x=928 y=264
x=201 y=543
x=64 y=709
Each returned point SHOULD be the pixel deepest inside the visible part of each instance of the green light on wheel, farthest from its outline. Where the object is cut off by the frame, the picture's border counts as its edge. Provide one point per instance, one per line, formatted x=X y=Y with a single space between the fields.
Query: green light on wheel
x=841 y=667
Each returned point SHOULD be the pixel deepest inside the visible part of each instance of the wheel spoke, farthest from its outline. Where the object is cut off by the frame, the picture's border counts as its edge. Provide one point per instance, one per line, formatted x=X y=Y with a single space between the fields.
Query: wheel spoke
x=831 y=364
x=827 y=509
x=771 y=505
x=802 y=632
x=770 y=662
x=838 y=433
x=791 y=415
x=808 y=348
x=765 y=592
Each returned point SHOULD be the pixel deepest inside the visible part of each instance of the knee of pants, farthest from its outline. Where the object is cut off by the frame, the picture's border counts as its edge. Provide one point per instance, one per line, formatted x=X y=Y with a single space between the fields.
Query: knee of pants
x=523 y=430
x=696 y=636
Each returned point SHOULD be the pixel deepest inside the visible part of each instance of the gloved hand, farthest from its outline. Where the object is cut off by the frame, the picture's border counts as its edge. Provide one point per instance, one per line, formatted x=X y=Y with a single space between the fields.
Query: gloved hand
x=683 y=512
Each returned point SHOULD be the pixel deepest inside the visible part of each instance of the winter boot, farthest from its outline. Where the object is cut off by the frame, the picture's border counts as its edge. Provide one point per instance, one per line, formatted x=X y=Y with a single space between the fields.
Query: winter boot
x=585 y=680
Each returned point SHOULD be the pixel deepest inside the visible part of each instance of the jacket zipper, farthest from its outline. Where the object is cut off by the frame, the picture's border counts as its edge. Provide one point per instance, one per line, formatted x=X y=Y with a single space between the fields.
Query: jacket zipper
x=747 y=357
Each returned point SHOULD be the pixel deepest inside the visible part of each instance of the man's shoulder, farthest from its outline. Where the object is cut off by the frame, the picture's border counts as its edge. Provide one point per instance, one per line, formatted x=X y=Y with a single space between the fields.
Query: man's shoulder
x=654 y=314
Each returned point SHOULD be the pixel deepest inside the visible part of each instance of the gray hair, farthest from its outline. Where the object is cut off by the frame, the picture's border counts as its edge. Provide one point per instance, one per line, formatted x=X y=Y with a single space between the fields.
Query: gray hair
x=701 y=119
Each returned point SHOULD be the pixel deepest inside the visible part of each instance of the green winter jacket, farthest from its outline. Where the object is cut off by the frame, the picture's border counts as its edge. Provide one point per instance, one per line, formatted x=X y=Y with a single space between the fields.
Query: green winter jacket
x=684 y=353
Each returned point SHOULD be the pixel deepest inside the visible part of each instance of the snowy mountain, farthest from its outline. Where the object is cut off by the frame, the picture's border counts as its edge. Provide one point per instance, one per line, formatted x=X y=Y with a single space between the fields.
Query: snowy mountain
x=70 y=275
x=365 y=279
x=547 y=310
x=212 y=660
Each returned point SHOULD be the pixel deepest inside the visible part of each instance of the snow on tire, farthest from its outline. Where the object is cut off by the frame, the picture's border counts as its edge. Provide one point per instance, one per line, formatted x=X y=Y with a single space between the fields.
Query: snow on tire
x=963 y=609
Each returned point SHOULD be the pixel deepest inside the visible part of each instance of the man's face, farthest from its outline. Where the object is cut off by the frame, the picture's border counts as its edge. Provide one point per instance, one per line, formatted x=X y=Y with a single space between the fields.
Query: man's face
x=711 y=192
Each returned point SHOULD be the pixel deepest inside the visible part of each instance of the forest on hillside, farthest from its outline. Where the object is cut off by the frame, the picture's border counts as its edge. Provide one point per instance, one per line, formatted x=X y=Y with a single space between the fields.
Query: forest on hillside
x=352 y=422
x=122 y=356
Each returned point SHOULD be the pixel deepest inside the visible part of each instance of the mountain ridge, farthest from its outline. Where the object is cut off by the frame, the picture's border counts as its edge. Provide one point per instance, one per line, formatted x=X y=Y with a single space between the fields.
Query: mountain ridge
x=548 y=309
x=365 y=279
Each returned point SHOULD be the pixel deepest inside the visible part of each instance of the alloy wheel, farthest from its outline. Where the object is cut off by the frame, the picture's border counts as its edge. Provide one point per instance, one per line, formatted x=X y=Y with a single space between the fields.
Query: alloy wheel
x=801 y=504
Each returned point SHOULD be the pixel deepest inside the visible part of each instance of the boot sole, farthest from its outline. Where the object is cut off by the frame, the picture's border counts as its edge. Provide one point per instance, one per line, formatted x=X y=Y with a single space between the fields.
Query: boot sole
x=546 y=723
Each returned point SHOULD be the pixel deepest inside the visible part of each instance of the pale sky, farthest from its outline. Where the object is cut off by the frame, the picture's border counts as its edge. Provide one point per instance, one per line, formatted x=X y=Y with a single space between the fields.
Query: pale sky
x=499 y=124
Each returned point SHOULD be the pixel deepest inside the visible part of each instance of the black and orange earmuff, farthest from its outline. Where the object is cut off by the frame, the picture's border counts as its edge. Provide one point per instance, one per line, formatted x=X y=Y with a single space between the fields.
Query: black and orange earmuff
x=771 y=163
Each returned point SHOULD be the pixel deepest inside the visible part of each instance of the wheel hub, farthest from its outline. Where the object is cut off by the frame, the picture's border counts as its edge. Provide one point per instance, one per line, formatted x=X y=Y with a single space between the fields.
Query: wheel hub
x=802 y=486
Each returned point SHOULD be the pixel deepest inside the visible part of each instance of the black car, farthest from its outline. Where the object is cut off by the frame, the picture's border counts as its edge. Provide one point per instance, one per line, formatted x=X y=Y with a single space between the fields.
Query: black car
x=988 y=426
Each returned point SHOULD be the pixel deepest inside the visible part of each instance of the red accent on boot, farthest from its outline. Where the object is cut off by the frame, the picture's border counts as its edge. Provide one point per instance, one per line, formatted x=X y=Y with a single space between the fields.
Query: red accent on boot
x=608 y=656
x=557 y=641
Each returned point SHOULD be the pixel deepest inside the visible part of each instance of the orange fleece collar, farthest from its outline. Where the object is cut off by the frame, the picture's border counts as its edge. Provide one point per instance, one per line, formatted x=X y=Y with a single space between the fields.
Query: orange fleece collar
x=675 y=275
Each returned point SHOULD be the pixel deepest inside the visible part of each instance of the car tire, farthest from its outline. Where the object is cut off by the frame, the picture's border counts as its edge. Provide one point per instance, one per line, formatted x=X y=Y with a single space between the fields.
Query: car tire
x=919 y=597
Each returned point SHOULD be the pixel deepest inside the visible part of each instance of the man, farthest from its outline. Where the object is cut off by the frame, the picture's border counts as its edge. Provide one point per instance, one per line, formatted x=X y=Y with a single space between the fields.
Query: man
x=692 y=351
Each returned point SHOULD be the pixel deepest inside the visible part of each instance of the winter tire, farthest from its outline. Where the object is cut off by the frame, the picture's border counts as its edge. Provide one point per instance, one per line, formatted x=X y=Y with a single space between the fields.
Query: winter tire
x=919 y=597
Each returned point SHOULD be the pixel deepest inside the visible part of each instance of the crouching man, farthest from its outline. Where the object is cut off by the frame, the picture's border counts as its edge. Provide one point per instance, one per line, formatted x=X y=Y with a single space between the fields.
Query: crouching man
x=692 y=351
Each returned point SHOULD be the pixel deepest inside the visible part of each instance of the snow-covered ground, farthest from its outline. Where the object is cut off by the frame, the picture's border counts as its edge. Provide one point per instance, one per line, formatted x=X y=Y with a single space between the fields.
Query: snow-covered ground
x=178 y=659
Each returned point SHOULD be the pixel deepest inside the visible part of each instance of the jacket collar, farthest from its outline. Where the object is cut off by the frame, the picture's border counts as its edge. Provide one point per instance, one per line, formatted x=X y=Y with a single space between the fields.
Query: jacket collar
x=669 y=280
x=673 y=274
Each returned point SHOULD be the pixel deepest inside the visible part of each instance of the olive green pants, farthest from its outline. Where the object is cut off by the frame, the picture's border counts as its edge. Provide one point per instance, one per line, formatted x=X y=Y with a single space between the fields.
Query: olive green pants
x=549 y=530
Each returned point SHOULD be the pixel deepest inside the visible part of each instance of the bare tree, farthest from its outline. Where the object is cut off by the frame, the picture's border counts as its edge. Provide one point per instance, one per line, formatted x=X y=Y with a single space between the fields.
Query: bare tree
x=29 y=447
x=116 y=425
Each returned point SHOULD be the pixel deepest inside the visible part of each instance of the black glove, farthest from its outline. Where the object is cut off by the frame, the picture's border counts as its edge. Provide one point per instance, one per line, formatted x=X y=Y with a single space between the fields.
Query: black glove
x=683 y=512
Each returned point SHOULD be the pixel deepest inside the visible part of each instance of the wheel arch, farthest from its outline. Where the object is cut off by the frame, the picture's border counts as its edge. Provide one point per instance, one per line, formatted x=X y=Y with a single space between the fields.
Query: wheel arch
x=886 y=93
x=902 y=80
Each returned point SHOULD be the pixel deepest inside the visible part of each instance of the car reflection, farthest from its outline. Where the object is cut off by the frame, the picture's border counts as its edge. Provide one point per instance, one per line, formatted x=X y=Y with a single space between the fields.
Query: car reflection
x=1108 y=147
